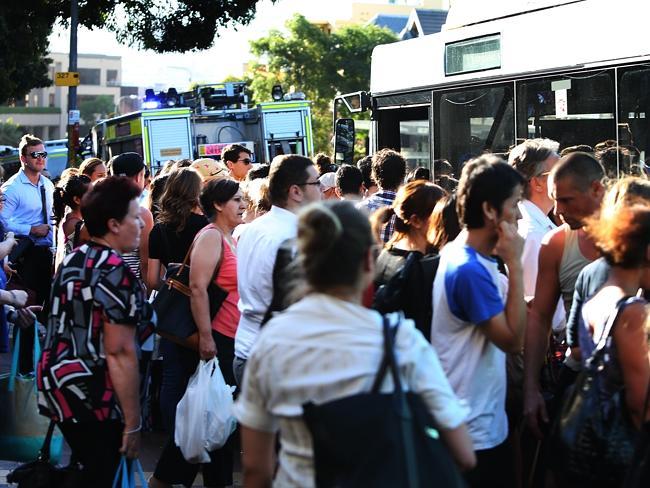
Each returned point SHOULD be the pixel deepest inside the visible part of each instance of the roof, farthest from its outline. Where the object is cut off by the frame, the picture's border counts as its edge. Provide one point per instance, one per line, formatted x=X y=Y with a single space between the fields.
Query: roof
x=395 y=23
x=423 y=22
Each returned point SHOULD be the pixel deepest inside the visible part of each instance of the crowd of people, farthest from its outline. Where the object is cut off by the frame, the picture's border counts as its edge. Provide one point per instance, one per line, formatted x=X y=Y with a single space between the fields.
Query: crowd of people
x=505 y=278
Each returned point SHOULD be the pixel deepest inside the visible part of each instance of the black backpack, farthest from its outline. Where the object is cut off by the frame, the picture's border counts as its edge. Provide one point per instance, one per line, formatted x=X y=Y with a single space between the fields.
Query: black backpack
x=409 y=290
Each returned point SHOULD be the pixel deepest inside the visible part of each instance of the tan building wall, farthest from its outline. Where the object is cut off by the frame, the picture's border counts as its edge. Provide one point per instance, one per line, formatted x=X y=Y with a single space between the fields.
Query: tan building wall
x=100 y=75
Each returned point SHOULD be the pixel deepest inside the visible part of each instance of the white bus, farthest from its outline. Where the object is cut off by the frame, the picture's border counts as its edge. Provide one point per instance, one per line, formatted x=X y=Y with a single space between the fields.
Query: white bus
x=577 y=72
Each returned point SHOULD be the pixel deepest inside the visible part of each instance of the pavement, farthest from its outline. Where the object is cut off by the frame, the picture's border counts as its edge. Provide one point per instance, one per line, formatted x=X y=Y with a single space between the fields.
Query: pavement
x=152 y=444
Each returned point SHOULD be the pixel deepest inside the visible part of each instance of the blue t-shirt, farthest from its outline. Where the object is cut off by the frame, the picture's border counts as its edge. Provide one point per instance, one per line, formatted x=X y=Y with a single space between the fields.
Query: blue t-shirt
x=469 y=290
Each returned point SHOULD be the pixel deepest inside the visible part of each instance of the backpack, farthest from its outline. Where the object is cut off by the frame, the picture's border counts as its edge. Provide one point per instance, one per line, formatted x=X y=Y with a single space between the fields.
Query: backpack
x=409 y=290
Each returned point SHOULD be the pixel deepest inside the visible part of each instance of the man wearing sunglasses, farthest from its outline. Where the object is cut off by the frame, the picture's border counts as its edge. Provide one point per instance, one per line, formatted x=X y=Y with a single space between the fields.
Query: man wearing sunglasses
x=238 y=160
x=27 y=212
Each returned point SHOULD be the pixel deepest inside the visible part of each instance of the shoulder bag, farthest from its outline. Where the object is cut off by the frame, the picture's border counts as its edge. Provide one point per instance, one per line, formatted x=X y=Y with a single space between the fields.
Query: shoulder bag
x=638 y=476
x=379 y=439
x=172 y=303
x=593 y=437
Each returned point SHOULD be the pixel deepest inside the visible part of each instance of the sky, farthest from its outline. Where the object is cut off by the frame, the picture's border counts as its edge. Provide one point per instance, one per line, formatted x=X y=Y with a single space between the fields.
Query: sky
x=227 y=56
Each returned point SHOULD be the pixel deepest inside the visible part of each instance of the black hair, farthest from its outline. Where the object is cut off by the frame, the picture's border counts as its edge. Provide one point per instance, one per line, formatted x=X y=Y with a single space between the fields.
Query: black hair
x=487 y=178
x=365 y=166
x=262 y=171
x=217 y=191
x=231 y=152
x=419 y=173
x=108 y=199
x=74 y=186
x=388 y=169
x=287 y=170
x=349 y=179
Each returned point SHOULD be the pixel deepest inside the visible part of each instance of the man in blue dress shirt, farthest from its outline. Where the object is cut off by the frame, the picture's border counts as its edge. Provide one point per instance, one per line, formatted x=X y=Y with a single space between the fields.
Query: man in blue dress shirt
x=27 y=213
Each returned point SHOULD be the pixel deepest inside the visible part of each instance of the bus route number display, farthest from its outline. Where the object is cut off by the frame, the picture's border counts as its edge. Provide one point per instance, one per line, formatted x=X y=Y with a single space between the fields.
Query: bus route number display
x=66 y=78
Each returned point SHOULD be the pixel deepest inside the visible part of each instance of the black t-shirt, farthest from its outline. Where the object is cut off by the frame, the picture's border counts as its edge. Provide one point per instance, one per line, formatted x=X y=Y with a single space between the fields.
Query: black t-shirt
x=170 y=246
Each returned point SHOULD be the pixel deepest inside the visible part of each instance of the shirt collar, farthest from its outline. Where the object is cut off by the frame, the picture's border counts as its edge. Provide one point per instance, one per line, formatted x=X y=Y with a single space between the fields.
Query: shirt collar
x=530 y=211
x=22 y=176
x=283 y=213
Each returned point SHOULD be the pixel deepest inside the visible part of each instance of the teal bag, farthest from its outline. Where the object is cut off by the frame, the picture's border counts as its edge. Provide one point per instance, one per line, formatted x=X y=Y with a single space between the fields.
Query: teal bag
x=125 y=474
x=22 y=428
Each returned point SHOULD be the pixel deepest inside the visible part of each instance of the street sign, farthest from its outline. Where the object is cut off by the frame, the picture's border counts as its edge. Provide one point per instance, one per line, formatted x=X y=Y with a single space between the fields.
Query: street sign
x=66 y=78
x=73 y=116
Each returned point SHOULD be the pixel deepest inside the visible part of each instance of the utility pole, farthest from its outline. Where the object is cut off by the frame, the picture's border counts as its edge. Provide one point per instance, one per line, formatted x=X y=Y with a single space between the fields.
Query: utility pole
x=73 y=113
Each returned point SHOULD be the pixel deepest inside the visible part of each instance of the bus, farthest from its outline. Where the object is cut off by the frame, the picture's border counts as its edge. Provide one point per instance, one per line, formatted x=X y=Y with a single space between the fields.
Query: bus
x=577 y=72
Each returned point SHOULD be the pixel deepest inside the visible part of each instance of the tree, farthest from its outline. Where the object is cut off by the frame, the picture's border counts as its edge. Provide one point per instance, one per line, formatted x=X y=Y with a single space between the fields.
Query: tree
x=10 y=133
x=178 y=26
x=320 y=65
x=97 y=107
x=24 y=45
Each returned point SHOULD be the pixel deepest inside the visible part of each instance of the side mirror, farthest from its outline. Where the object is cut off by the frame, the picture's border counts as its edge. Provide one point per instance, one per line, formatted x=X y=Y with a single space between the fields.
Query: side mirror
x=344 y=141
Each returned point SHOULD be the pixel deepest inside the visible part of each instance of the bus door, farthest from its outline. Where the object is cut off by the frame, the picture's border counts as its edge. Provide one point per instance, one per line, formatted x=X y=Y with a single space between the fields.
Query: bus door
x=472 y=121
x=403 y=123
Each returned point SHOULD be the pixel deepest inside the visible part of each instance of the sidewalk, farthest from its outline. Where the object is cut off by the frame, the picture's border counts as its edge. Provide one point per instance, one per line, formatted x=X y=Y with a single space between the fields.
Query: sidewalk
x=152 y=444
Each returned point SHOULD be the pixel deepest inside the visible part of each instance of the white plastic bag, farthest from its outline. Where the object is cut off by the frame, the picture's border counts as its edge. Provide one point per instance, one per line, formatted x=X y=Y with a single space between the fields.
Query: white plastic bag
x=204 y=418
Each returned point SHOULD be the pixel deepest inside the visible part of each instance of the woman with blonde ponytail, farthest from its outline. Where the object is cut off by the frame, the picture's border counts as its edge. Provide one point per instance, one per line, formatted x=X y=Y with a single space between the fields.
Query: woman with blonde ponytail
x=328 y=346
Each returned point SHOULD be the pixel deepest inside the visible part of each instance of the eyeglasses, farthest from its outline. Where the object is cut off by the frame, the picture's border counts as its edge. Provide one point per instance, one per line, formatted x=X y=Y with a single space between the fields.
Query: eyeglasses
x=38 y=154
x=309 y=183
x=246 y=161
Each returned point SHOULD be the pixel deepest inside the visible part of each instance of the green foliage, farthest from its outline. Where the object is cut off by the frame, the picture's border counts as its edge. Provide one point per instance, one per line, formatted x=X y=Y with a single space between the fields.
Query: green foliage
x=318 y=64
x=10 y=133
x=98 y=107
x=24 y=46
x=178 y=26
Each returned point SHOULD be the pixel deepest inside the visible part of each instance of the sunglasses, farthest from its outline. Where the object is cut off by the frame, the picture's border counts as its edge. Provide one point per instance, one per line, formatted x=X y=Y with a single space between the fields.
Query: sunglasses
x=38 y=154
x=246 y=161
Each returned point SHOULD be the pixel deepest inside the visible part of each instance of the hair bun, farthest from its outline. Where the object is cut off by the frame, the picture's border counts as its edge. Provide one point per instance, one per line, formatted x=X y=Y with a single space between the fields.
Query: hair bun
x=318 y=229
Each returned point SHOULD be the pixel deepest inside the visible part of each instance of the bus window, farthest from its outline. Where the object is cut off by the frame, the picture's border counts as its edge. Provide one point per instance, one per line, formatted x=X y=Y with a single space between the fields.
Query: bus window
x=634 y=117
x=571 y=109
x=414 y=143
x=471 y=122
x=406 y=130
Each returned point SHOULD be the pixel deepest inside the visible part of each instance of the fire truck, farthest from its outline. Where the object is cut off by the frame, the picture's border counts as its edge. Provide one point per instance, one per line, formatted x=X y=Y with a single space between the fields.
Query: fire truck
x=201 y=122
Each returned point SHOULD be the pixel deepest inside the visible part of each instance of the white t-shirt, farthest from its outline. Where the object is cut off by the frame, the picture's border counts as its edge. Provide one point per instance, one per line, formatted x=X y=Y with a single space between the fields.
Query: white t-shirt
x=533 y=226
x=468 y=291
x=321 y=349
x=257 y=249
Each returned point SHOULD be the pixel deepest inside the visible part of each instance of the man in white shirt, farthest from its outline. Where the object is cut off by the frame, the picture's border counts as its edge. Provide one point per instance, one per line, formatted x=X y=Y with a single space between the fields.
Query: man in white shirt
x=534 y=159
x=293 y=183
x=476 y=320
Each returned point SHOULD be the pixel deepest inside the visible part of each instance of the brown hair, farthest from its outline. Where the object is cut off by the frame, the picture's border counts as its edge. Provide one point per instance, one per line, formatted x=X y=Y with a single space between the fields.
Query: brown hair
x=623 y=234
x=181 y=195
x=444 y=225
x=417 y=198
x=333 y=238
x=88 y=166
x=28 y=140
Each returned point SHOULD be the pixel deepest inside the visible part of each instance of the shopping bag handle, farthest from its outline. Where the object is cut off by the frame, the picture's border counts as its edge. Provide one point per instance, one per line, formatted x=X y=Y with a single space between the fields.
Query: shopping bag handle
x=16 y=352
x=126 y=473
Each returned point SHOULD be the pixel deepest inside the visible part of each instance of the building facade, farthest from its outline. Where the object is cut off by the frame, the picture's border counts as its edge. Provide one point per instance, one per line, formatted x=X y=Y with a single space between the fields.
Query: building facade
x=44 y=111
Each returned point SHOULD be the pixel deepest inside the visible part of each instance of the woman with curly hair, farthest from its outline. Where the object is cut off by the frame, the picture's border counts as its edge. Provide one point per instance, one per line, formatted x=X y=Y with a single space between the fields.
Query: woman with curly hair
x=177 y=223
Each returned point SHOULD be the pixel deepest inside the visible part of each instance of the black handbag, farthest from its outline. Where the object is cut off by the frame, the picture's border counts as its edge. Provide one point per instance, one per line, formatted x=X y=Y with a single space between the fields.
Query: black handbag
x=172 y=303
x=638 y=476
x=379 y=439
x=593 y=437
x=43 y=474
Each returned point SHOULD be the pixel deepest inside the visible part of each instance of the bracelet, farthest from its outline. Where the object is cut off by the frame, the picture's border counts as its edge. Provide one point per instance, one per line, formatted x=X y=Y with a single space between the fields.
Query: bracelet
x=137 y=429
